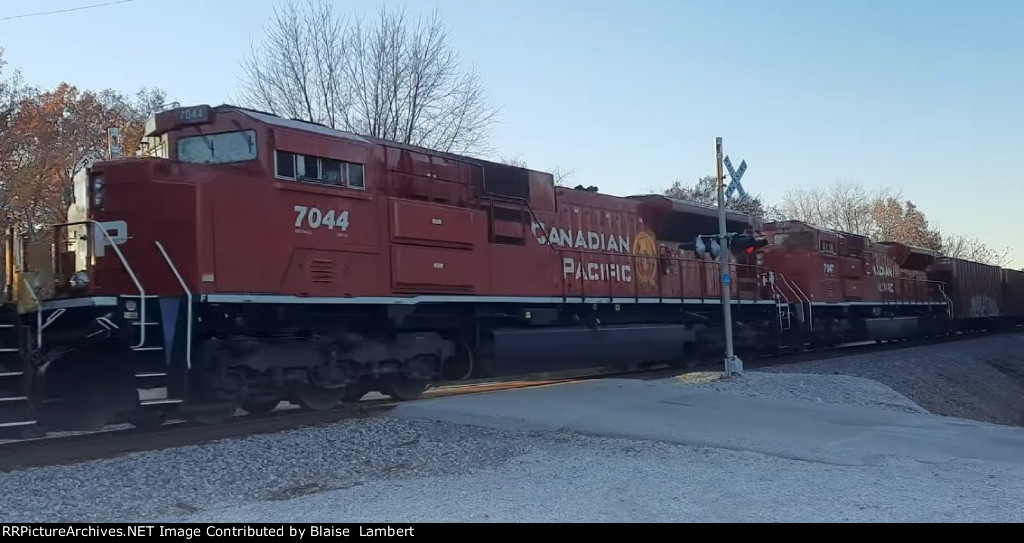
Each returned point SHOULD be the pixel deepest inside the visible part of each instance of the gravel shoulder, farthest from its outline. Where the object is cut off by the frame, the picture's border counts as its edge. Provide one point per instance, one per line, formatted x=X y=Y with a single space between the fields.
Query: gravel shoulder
x=979 y=379
x=810 y=387
x=387 y=469
x=266 y=467
x=399 y=471
x=577 y=479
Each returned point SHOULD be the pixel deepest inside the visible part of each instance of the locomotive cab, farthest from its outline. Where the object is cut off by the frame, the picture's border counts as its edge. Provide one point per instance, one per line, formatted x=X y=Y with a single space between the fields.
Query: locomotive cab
x=121 y=205
x=822 y=265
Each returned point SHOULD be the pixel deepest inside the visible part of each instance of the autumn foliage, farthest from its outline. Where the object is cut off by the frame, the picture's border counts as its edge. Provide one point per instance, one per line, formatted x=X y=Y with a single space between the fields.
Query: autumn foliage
x=903 y=221
x=46 y=134
x=880 y=214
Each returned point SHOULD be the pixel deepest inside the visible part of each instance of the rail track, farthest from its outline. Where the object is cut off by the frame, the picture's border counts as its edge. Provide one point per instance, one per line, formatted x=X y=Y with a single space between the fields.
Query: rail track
x=65 y=448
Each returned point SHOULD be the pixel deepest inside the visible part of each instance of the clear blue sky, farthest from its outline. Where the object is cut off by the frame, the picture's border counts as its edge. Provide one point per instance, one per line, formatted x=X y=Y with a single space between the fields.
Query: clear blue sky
x=923 y=95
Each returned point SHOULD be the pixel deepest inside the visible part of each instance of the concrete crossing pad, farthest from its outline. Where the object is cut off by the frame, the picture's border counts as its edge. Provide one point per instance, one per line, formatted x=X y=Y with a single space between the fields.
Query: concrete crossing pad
x=673 y=412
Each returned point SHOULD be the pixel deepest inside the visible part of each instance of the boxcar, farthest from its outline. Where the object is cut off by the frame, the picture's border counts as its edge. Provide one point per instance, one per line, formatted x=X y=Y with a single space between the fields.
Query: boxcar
x=975 y=290
x=1013 y=294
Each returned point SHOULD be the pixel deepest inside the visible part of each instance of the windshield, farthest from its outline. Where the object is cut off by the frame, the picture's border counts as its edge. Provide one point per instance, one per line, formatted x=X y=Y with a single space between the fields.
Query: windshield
x=220 y=148
x=794 y=239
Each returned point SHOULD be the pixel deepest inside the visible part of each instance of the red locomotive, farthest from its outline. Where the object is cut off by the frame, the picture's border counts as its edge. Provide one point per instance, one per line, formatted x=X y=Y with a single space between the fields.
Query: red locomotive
x=250 y=259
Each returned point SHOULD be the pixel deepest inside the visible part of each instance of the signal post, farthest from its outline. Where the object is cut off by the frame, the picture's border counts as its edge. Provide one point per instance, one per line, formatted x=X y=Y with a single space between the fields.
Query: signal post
x=723 y=245
x=733 y=365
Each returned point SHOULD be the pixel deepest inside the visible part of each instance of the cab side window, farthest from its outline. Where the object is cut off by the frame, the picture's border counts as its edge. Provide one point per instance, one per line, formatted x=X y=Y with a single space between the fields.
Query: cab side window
x=319 y=170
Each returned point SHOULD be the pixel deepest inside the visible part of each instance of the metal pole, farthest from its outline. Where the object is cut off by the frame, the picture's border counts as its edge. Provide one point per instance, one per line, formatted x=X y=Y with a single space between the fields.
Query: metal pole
x=733 y=365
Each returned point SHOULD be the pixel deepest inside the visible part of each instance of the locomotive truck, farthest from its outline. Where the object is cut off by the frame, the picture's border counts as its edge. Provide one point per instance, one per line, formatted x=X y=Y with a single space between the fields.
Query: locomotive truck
x=244 y=259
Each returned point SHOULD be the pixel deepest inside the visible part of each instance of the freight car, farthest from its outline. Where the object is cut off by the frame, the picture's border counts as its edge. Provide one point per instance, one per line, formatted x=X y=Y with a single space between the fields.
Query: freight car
x=1013 y=297
x=249 y=259
x=978 y=291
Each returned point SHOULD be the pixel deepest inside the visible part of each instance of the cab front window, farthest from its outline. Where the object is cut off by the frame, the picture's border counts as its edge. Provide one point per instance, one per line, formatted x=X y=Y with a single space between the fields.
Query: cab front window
x=794 y=239
x=223 y=148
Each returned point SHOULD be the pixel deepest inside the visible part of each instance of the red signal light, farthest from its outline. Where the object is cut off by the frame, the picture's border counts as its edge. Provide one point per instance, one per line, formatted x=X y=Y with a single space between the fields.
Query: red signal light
x=750 y=250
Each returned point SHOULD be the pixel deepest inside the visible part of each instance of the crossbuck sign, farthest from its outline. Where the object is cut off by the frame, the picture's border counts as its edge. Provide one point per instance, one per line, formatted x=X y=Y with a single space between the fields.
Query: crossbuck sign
x=735 y=175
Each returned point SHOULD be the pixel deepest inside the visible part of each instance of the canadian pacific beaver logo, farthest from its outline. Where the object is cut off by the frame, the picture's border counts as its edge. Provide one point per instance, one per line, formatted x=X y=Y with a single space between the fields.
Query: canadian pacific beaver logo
x=646 y=251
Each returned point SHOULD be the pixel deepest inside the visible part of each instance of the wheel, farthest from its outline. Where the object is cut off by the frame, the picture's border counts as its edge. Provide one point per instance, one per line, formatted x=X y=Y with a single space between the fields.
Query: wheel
x=319 y=399
x=260 y=407
x=403 y=389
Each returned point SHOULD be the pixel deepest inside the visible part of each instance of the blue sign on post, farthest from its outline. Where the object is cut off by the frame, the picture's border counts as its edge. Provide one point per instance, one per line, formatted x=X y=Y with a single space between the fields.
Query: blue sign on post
x=735 y=175
x=726 y=279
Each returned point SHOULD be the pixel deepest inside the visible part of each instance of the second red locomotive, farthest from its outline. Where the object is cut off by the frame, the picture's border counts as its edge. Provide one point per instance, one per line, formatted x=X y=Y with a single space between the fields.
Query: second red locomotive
x=250 y=259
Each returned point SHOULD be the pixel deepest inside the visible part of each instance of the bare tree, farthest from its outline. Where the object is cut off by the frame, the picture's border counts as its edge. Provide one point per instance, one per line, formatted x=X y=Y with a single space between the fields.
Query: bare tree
x=518 y=161
x=973 y=249
x=560 y=174
x=705 y=191
x=844 y=205
x=393 y=79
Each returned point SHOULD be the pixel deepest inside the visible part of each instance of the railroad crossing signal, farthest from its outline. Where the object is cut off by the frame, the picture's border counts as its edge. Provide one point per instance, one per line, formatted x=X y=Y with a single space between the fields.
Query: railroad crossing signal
x=700 y=248
x=746 y=243
x=735 y=175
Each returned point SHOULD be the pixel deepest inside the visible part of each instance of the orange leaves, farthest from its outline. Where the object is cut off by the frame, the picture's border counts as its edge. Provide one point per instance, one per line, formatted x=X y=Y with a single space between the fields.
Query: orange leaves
x=44 y=134
x=41 y=142
x=903 y=221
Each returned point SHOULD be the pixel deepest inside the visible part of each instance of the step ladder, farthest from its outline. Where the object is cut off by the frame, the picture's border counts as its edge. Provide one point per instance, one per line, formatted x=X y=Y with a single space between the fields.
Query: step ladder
x=17 y=412
x=785 y=316
x=783 y=309
x=142 y=313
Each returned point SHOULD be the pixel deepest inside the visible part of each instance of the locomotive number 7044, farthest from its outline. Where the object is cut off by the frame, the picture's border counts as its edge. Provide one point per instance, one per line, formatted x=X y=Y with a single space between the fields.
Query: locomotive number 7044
x=315 y=218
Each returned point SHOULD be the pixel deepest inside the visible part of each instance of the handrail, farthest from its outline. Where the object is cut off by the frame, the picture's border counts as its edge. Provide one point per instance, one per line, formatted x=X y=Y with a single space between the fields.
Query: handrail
x=775 y=287
x=188 y=295
x=39 y=312
x=949 y=302
x=794 y=289
x=127 y=267
x=786 y=282
x=702 y=267
x=810 y=306
x=780 y=297
x=680 y=264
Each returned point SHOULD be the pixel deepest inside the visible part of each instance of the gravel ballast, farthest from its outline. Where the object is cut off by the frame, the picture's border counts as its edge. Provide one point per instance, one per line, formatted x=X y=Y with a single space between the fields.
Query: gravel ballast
x=578 y=479
x=389 y=470
x=263 y=467
x=980 y=379
x=822 y=389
